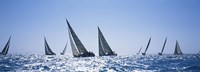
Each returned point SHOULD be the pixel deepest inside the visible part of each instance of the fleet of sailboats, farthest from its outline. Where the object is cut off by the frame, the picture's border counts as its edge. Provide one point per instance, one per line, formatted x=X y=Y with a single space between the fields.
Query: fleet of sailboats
x=163 y=47
x=6 y=48
x=104 y=48
x=79 y=50
x=48 y=50
x=147 y=47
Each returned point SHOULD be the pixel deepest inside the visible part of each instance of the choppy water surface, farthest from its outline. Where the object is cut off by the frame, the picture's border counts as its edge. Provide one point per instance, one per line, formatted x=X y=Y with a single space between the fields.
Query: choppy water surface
x=133 y=63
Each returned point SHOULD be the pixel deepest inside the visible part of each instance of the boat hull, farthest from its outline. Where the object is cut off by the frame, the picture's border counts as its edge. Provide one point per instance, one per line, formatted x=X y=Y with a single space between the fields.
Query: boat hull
x=143 y=54
x=89 y=54
x=159 y=53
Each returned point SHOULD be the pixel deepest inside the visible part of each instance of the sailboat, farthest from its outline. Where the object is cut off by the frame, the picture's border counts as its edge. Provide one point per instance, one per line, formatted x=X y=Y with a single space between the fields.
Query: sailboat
x=139 y=50
x=104 y=48
x=147 y=47
x=63 y=52
x=6 y=48
x=78 y=48
x=177 y=49
x=48 y=50
x=163 y=47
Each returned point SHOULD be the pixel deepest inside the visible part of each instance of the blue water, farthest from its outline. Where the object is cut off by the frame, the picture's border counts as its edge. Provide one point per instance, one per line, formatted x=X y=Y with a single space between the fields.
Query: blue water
x=131 y=63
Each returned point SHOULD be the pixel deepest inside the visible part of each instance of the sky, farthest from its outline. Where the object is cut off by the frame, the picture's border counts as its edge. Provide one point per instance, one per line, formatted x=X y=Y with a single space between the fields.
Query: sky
x=126 y=24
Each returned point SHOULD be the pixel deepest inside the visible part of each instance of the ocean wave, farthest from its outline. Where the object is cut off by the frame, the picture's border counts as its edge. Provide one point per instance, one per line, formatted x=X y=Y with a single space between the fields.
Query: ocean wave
x=135 y=63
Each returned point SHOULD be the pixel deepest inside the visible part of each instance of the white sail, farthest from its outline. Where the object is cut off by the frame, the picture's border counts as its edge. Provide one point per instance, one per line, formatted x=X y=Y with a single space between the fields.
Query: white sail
x=139 y=50
x=6 y=48
x=177 y=49
x=48 y=50
x=76 y=40
x=147 y=47
x=163 y=47
x=104 y=48
x=73 y=46
x=78 y=48
x=63 y=52
x=101 y=51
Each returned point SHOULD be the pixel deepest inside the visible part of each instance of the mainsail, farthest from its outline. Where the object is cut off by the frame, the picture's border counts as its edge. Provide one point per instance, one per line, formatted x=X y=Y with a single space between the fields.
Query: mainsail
x=163 y=47
x=6 y=48
x=177 y=49
x=104 y=48
x=48 y=50
x=63 y=52
x=78 y=48
x=147 y=47
x=139 y=50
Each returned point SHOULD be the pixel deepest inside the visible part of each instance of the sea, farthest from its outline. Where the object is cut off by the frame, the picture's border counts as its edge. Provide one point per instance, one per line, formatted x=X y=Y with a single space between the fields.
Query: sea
x=126 y=63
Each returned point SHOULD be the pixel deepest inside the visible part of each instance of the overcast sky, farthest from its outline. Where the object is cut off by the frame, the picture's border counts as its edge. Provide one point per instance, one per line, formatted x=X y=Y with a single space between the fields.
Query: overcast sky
x=126 y=24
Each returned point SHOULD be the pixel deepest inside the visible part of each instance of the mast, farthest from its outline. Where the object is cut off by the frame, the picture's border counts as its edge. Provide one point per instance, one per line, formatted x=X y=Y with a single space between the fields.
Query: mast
x=6 y=48
x=163 y=47
x=139 y=50
x=48 y=50
x=63 y=52
x=177 y=49
x=147 y=47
